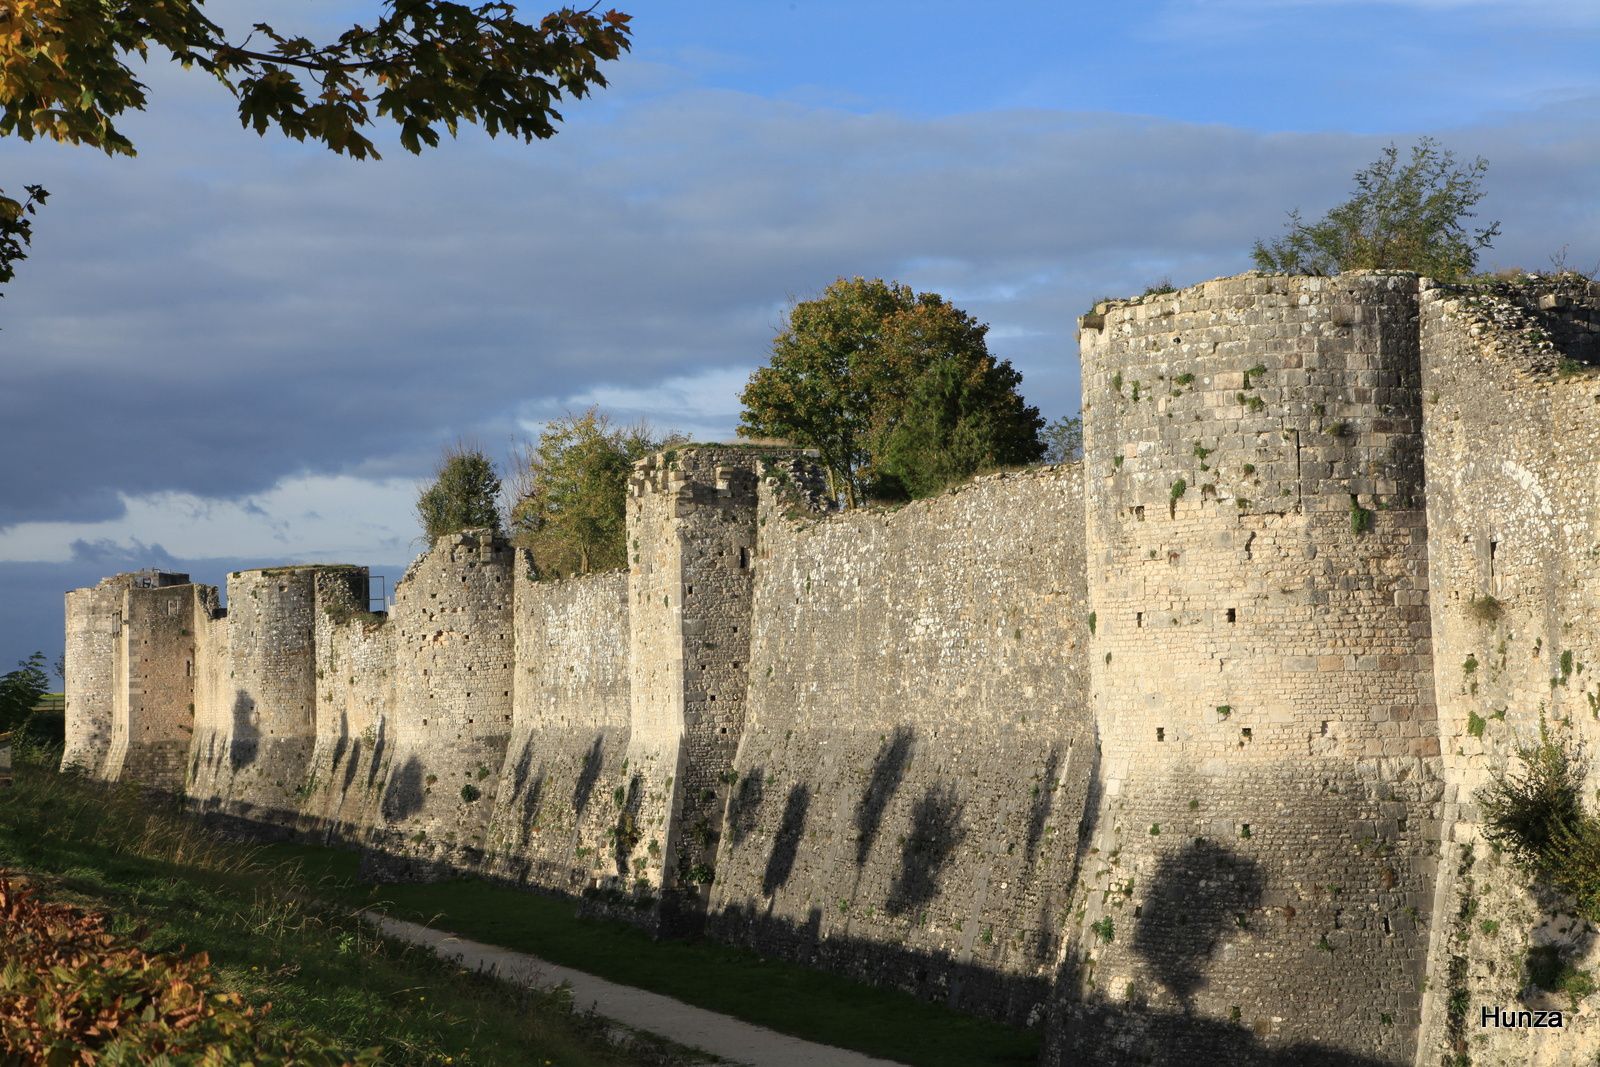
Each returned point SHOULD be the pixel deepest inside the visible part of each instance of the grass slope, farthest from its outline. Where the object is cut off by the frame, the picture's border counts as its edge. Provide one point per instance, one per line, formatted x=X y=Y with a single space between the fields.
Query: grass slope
x=173 y=887
x=783 y=996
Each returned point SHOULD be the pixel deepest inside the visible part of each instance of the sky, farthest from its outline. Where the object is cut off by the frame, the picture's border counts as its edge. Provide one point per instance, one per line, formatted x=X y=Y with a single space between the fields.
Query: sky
x=239 y=351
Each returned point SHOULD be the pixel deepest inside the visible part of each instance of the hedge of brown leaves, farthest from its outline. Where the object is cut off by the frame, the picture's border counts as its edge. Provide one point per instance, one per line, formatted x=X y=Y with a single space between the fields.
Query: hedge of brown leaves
x=73 y=993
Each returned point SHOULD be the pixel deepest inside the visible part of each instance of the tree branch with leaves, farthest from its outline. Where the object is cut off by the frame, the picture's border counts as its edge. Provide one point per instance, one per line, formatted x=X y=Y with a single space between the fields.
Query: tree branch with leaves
x=426 y=65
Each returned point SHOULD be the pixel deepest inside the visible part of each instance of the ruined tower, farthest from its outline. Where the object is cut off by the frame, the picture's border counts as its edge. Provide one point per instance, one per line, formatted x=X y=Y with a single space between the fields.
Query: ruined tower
x=1260 y=863
x=451 y=719
x=259 y=720
x=94 y=628
x=691 y=538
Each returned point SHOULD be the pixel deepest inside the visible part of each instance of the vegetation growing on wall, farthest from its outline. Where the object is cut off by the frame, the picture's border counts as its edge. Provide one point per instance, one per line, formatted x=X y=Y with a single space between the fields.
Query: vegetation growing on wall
x=464 y=494
x=1536 y=815
x=1404 y=216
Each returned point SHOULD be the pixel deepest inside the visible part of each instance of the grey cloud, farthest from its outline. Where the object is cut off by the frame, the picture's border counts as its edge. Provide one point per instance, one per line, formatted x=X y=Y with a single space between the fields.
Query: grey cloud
x=214 y=320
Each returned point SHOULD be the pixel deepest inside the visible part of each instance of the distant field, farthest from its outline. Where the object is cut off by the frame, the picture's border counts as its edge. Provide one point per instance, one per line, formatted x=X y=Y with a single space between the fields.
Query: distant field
x=783 y=996
x=171 y=887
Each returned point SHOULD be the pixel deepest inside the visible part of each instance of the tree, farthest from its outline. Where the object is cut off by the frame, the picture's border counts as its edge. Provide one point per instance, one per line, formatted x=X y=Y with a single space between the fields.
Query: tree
x=1402 y=217
x=425 y=64
x=571 y=507
x=1063 y=440
x=848 y=363
x=20 y=691
x=463 y=495
x=960 y=418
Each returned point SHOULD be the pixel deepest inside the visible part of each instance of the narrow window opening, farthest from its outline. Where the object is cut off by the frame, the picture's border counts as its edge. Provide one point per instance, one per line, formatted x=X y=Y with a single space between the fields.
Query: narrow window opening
x=712 y=697
x=744 y=558
x=1138 y=512
x=1324 y=727
x=1138 y=911
x=1244 y=735
x=188 y=668
x=1161 y=733
x=690 y=589
x=1388 y=930
x=1400 y=824
x=1338 y=913
x=1494 y=570
x=1138 y=618
x=1233 y=614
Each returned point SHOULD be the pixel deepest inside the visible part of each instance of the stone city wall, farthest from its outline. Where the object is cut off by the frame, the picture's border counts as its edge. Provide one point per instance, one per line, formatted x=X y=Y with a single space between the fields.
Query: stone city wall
x=1162 y=727
x=907 y=797
x=1513 y=459
x=257 y=724
x=94 y=629
x=355 y=667
x=153 y=717
x=554 y=810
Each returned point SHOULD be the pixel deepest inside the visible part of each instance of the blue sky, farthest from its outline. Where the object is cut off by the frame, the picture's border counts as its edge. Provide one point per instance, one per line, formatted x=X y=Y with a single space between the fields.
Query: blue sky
x=235 y=350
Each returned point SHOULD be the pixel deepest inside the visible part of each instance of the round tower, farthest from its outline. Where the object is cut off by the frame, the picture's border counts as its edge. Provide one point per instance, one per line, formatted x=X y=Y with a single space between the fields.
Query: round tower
x=451 y=720
x=266 y=723
x=94 y=628
x=1260 y=864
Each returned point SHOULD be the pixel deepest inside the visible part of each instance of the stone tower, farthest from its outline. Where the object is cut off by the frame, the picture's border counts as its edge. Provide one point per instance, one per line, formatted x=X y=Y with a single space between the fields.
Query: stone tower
x=94 y=627
x=130 y=667
x=1259 y=865
x=691 y=538
x=451 y=720
x=261 y=717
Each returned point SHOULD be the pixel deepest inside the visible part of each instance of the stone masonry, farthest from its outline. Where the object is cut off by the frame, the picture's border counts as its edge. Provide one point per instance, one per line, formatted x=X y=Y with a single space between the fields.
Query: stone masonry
x=1172 y=752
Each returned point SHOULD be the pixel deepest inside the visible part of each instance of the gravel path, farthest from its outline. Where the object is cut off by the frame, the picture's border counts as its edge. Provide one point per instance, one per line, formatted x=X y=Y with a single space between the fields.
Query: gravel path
x=720 y=1035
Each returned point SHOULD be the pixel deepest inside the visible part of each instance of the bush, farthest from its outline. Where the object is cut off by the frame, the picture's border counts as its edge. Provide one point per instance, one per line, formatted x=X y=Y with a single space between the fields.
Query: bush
x=1537 y=817
x=72 y=992
x=1403 y=216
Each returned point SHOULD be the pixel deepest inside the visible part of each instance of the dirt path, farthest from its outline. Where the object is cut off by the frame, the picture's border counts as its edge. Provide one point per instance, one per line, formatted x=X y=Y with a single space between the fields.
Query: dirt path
x=720 y=1035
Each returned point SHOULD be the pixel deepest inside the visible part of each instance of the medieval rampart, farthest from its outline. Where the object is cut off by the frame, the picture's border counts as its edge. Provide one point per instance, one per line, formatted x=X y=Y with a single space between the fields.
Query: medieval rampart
x=906 y=801
x=555 y=808
x=1191 y=730
x=1513 y=457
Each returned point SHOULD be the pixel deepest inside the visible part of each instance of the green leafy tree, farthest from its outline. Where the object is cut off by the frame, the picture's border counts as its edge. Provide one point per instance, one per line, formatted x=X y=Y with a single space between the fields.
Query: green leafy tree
x=425 y=64
x=20 y=691
x=464 y=495
x=961 y=418
x=570 y=511
x=1063 y=440
x=847 y=365
x=16 y=229
x=1404 y=216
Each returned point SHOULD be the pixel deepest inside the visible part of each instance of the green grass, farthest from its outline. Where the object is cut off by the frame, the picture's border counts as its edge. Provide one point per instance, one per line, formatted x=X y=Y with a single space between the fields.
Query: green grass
x=783 y=996
x=173 y=887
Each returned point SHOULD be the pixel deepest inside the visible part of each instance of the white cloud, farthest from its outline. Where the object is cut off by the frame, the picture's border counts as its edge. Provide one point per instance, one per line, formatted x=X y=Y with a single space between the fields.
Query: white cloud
x=314 y=518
